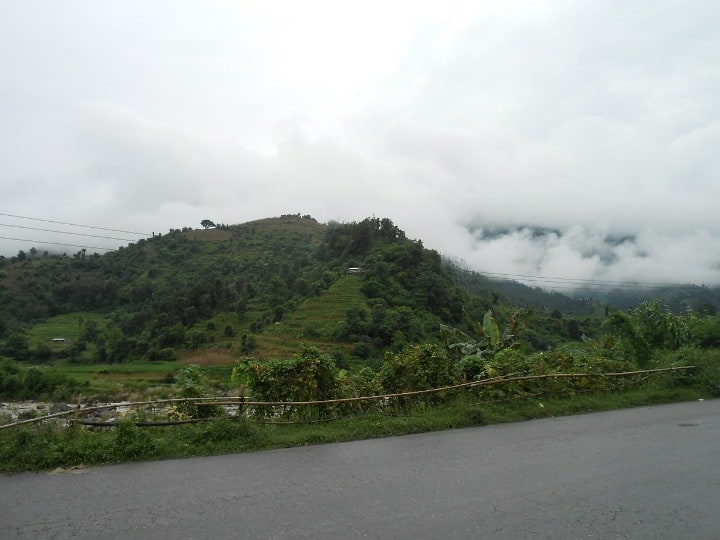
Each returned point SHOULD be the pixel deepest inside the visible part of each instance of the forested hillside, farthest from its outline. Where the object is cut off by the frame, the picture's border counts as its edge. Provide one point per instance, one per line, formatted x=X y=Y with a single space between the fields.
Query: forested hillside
x=266 y=288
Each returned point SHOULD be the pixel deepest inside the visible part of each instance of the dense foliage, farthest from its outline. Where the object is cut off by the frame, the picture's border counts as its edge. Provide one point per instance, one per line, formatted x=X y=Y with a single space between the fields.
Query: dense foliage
x=310 y=376
x=642 y=338
x=156 y=296
x=523 y=384
x=156 y=293
x=237 y=288
x=17 y=382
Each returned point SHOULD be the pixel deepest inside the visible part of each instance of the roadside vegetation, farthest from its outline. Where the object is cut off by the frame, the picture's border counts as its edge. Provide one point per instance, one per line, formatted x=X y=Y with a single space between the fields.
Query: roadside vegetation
x=486 y=379
x=267 y=312
x=48 y=446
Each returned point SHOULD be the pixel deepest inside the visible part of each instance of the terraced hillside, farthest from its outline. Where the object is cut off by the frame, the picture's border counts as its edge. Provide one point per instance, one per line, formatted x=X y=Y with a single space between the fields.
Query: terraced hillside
x=314 y=322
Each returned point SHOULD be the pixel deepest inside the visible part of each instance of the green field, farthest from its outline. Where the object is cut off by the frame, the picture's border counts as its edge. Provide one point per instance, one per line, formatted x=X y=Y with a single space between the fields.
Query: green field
x=63 y=326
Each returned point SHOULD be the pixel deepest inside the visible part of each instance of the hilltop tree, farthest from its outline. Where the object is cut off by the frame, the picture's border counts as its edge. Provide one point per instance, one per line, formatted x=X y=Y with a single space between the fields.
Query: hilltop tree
x=206 y=223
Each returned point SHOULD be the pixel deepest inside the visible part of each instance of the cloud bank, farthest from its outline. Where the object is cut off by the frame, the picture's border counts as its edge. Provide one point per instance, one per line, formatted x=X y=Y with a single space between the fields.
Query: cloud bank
x=471 y=126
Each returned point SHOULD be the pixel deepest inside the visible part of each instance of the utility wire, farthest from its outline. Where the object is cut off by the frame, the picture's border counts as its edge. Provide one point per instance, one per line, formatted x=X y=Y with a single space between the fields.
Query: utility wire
x=550 y=281
x=67 y=232
x=74 y=224
x=565 y=284
x=43 y=242
x=594 y=289
x=577 y=281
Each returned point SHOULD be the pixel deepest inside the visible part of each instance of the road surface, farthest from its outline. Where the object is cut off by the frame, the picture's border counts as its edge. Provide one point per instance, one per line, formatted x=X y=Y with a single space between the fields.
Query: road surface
x=651 y=472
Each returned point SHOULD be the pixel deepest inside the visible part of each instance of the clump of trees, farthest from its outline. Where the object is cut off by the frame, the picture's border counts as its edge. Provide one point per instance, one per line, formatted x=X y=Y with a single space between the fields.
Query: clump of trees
x=309 y=376
x=17 y=382
x=17 y=347
x=646 y=330
x=409 y=290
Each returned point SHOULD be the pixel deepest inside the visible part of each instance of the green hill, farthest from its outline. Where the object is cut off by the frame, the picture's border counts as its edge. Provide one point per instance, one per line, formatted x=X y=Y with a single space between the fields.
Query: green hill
x=259 y=289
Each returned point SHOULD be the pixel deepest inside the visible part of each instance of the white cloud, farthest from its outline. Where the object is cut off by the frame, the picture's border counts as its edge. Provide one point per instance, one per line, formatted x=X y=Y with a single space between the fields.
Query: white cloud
x=592 y=118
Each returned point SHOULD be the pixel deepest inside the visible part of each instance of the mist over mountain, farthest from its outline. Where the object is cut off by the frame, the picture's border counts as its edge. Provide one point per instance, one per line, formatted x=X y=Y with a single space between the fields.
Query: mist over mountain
x=592 y=257
x=580 y=137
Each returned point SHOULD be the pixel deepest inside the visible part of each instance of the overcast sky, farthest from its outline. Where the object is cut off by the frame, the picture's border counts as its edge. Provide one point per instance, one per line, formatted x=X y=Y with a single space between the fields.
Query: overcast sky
x=461 y=121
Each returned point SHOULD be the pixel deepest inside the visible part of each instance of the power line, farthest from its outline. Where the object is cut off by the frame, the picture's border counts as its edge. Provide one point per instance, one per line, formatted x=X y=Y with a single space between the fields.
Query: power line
x=563 y=283
x=67 y=232
x=75 y=224
x=43 y=242
x=559 y=279
x=550 y=281
x=595 y=289
x=560 y=283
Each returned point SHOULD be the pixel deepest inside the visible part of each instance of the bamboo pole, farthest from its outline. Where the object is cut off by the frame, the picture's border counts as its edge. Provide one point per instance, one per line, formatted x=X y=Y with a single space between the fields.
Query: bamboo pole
x=485 y=382
x=141 y=424
x=97 y=408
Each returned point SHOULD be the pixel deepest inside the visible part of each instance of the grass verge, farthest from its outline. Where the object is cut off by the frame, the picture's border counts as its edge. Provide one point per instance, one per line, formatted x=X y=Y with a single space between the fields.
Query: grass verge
x=48 y=446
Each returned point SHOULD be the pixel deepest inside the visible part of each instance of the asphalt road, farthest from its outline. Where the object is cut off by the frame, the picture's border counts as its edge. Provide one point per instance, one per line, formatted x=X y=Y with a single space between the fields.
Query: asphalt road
x=652 y=472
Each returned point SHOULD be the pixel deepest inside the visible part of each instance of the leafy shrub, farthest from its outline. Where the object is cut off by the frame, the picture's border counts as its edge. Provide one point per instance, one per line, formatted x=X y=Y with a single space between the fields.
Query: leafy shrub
x=706 y=332
x=222 y=429
x=25 y=448
x=192 y=383
x=707 y=371
x=310 y=376
x=34 y=383
x=248 y=343
x=197 y=338
x=511 y=363
x=362 y=350
x=419 y=367
x=132 y=442
x=16 y=347
x=362 y=383
x=41 y=353
x=645 y=330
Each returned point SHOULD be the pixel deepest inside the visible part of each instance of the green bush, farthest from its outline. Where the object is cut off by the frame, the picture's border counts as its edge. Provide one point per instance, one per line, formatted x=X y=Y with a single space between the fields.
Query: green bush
x=310 y=376
x=248 y=343
x=646 y=330
x=707 y=371
x=222 y=429
x=32 y=447
x=706 y=332
x=34 y=383
x=131 y=442
x=193 y=383
x=419 y=367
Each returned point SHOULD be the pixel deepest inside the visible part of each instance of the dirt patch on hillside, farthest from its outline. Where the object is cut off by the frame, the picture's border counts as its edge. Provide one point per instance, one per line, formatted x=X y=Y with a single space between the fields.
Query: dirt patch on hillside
x=206 y=358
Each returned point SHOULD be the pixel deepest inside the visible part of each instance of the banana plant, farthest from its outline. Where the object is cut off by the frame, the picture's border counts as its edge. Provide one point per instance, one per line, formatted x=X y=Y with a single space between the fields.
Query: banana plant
x=488 y=339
